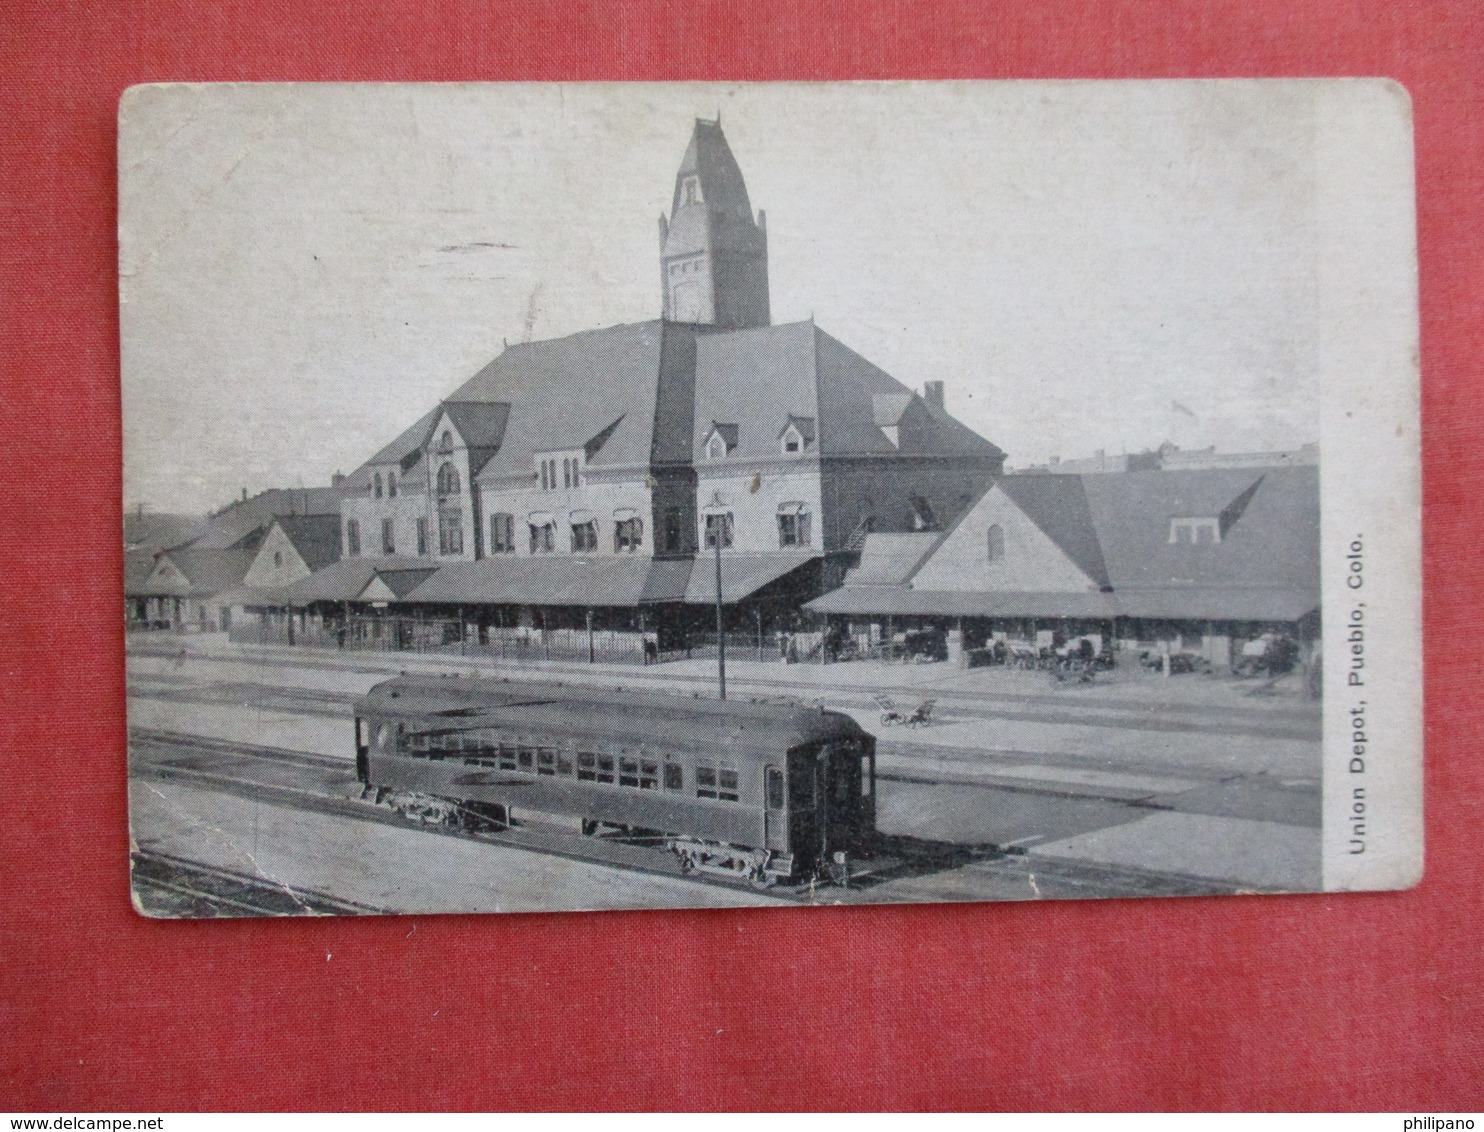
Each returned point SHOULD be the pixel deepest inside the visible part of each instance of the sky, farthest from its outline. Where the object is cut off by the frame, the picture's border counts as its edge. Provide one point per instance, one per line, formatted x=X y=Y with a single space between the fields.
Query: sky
x=306 y=269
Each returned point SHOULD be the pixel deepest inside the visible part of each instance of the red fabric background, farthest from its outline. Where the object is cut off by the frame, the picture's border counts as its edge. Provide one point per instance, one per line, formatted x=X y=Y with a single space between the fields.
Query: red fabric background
x=1326 y=1002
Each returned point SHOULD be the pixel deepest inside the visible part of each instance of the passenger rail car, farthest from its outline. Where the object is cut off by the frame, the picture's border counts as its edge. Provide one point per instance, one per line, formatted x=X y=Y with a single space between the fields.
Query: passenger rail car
x=764 y=791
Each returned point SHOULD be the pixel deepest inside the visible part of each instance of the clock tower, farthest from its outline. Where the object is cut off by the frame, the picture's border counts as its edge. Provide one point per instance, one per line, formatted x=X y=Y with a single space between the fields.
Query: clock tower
x=713 y=254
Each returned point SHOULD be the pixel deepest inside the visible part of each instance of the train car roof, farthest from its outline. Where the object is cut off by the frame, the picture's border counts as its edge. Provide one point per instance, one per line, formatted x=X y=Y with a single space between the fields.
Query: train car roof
x=615 y=714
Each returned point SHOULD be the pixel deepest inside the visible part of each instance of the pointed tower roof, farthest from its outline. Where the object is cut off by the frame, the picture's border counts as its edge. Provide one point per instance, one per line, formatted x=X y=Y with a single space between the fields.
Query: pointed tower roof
x=710 y=158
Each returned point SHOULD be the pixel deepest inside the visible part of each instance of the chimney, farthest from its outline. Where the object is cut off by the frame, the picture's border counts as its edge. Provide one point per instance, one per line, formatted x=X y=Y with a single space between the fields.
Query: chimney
x=337 y=479
x=1055 y=460
x=932 y=393
x=244 y=495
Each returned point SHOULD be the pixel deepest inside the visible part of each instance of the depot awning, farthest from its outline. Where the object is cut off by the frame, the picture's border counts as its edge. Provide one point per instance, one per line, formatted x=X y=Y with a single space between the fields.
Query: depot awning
x=1173 y=604
x=902 y=602
x=742 y=575
x=538 y=580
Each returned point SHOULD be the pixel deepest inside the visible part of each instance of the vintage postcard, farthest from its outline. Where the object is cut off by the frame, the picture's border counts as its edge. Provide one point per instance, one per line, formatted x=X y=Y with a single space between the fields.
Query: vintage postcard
x=549 y=497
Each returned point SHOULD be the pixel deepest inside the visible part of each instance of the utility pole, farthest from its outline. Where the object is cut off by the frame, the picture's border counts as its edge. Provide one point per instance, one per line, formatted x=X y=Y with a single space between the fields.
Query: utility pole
x=719 y=531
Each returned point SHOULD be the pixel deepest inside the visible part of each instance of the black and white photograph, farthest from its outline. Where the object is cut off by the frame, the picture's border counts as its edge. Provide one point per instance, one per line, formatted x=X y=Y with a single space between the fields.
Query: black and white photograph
x=561 y=497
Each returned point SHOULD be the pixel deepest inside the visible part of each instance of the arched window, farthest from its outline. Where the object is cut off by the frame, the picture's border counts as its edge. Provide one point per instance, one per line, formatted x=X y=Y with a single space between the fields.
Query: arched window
x=448 y=479
x=391 y=483
x=445 y=442
x=996 y=541
x=376 y=489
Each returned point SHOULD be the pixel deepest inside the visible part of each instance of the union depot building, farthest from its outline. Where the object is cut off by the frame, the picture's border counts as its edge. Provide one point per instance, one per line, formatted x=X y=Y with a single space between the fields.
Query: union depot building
x=568 y=500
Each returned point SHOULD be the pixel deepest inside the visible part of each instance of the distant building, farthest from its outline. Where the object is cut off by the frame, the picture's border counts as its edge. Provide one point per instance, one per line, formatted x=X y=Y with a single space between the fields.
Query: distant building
x=180 y=570
x=1171 y=457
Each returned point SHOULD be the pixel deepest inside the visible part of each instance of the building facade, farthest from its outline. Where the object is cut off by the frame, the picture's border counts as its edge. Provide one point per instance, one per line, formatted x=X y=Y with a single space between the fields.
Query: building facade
x=652 y=442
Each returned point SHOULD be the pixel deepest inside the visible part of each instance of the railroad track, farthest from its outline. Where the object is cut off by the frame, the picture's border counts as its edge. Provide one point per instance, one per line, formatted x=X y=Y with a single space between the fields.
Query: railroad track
x=167 y=885
x=326 y=785
x=1066 y=706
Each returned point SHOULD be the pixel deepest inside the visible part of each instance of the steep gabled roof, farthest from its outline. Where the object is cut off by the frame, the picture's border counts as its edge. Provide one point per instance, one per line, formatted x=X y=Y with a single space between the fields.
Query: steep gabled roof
x=753 y=381
x=1274 y=542
x=202 y=572
x=241 y=525
x=709 y=157
x=1058 y=506
x=152 y=531
x=315 y=537
x=848 y=386
x=480 y=423
x=564 y=392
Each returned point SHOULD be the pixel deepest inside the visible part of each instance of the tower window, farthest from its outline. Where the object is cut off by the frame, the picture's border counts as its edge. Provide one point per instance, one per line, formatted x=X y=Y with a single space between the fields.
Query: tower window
x=672 y=530
x=422 y=537
x=690 y=191
x=352 y=538
x=448 y=479
x=450 y=533
x=388 y=538
x=376 y=489
x=391 y=484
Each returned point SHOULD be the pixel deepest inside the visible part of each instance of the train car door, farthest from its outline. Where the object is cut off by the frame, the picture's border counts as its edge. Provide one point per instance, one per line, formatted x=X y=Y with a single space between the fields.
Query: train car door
x=775 y=811
x=806 y=824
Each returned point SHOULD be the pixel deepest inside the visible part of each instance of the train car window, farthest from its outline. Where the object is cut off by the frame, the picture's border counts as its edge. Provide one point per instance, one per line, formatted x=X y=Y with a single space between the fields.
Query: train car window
x=705 y=781
x=674 y=776
x=546 y=761
x=649 y=775
x=587 y=763
x=361 y=732
x=507 y=756
x=726 y=785
x=527 y=758
x=564 y=763
x=628 y=772
x=775 y=788
x=605 y=768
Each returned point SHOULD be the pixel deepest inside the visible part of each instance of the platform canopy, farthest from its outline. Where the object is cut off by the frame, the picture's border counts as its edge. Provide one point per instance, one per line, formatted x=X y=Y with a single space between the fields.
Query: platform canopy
x=742 y=575
x=1171 y=604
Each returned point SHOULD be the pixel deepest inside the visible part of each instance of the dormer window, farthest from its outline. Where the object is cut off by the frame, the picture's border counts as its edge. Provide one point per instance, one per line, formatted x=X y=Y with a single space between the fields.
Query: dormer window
x=690 y=191
x=719 y=440
x=1202 y=531
x=797 y=435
